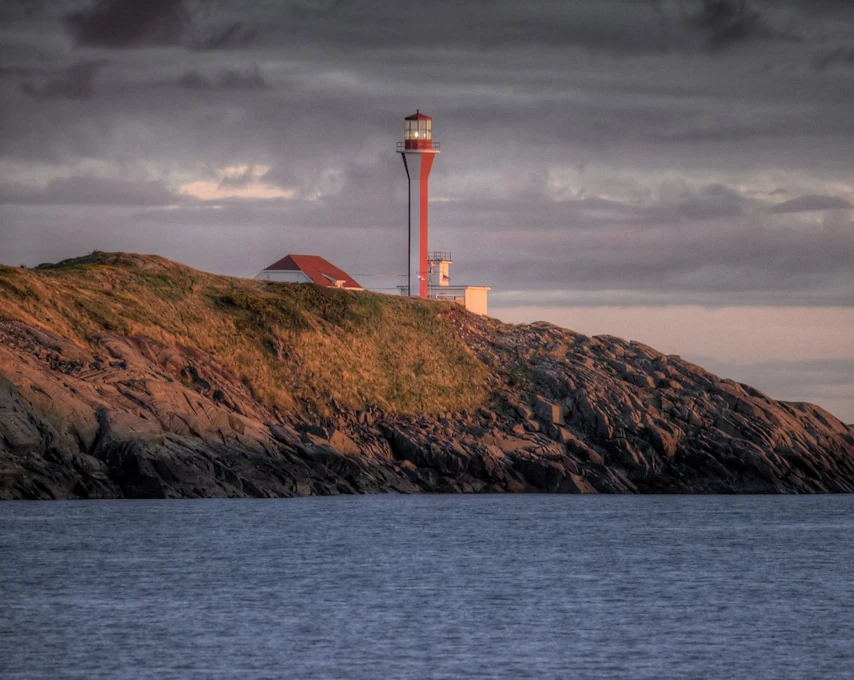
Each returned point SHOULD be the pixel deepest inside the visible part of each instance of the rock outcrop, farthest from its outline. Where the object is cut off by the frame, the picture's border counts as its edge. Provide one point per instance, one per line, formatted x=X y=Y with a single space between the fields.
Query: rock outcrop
x=115 y=414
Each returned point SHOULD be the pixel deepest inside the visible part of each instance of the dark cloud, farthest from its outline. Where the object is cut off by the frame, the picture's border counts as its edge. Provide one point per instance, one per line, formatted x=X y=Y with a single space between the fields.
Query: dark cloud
x=193 y=80
x=74 y=82
x=835 y=8
x=119 y=24
x=250 y=79
x=809 y=203
x=92 y=191
x=615 y=26
x=624 y=28
x=712 y=202
x=359 y=196
x=226 y=79
x=654 y=252
x=839 y=56
x=235 y=35
x=727 y=22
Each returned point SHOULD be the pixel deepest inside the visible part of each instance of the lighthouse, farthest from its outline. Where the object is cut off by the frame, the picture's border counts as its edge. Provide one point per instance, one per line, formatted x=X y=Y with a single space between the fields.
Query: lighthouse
x=418 y=151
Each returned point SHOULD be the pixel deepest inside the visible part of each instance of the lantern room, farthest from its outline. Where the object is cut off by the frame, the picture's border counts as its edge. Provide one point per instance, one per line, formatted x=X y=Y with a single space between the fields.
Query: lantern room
x=418 y=132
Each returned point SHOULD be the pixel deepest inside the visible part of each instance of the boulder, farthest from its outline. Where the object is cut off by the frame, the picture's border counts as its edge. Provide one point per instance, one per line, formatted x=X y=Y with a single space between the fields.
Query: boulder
x=118 y=426
x=524 y=411
x=284 y=434
x=17 y=431
x=343 y=444
x=549 y=411
x=575 y=484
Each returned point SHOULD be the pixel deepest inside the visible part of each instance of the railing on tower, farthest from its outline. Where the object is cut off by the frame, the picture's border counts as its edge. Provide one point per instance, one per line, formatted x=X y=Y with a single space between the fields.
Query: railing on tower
x=450 y=293
x=439 y=256
x=401 y=147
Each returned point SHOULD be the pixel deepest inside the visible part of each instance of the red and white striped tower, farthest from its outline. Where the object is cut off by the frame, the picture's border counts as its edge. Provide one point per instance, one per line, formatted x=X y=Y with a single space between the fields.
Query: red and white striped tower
x=418 y=150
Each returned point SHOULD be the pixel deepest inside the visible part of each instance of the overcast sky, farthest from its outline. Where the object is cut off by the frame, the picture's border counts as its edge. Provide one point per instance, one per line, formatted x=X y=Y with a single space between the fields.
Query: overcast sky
x=679 y=172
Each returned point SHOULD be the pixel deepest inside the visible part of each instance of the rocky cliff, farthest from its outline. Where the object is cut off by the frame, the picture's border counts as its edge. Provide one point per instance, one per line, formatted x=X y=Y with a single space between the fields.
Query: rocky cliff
x=131 y=376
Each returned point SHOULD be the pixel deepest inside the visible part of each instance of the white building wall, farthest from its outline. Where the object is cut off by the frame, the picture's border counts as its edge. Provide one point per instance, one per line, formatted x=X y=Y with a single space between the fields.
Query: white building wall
x=284 y=276
x=443 y=275
x=476 y=299
x=473 y=298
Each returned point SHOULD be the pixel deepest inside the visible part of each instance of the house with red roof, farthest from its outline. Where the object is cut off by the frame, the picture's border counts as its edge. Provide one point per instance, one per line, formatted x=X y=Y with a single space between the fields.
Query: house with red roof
x=309 y=269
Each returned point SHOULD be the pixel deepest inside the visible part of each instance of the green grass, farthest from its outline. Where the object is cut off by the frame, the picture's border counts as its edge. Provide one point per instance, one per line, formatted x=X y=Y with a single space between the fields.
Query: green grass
x=293 y=345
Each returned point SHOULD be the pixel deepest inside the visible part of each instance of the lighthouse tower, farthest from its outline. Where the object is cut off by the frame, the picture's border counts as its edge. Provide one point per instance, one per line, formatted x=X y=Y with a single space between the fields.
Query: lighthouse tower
x=418 y=150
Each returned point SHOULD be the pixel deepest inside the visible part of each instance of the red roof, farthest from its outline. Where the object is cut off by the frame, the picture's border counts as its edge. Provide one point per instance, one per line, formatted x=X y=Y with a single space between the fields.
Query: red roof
x=418 y=116
x=320 y=271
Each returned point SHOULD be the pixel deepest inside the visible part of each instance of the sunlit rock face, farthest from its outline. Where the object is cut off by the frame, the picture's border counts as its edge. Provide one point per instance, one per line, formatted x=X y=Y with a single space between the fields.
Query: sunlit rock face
x=225 y=389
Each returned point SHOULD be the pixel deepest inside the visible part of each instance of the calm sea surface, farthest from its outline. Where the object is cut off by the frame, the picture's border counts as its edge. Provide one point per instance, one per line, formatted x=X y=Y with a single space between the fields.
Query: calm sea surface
x=429 y=587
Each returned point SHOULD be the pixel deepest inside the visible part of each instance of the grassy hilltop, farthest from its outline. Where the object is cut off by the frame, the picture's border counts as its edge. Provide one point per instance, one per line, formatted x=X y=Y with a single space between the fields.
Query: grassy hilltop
x=291 y=345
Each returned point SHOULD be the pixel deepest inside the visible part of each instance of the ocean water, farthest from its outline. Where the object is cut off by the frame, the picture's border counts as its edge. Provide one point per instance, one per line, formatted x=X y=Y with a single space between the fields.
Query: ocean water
x=528 y=586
